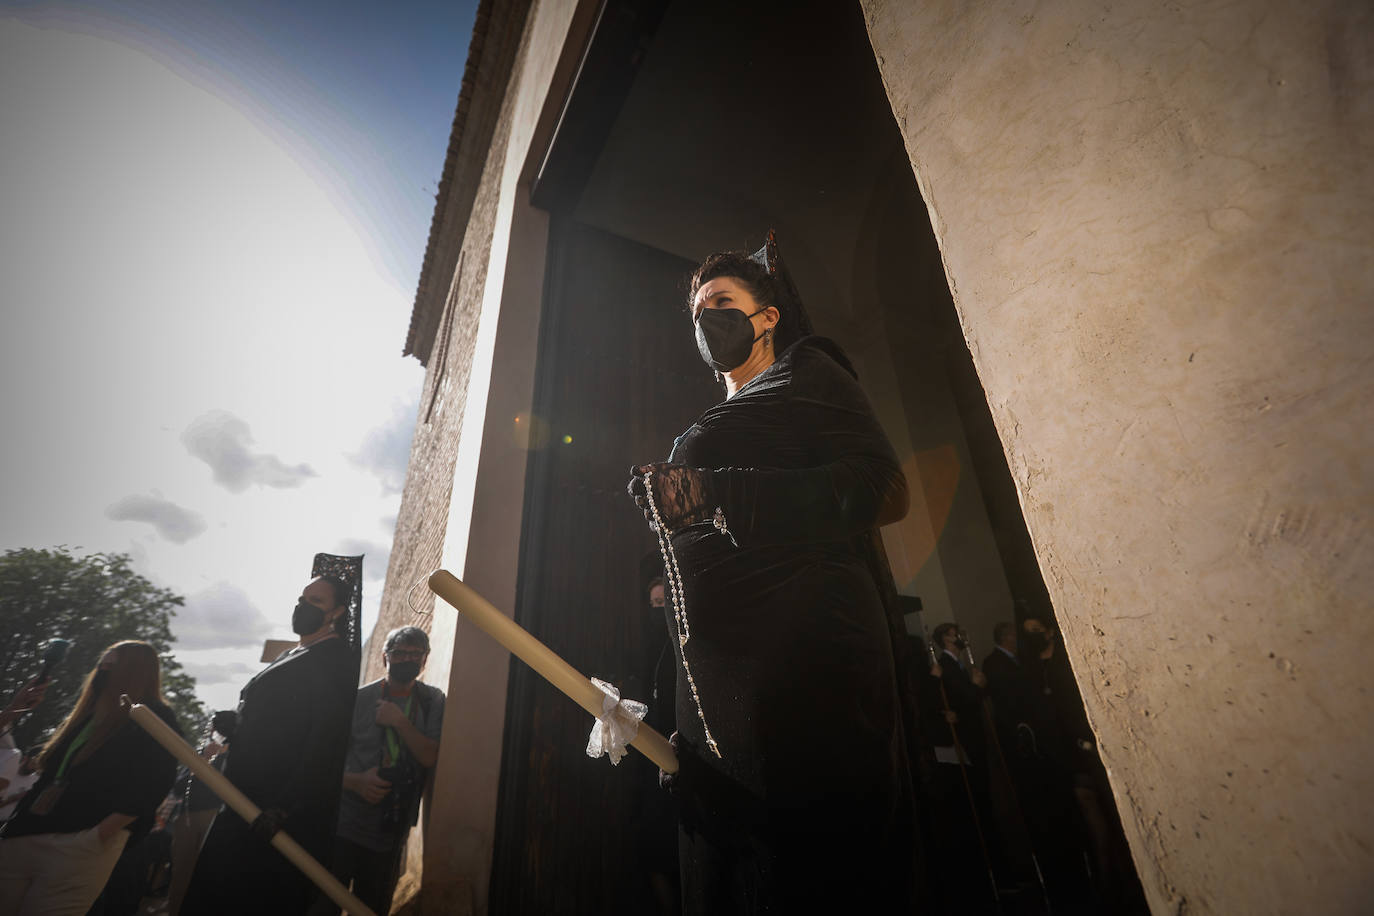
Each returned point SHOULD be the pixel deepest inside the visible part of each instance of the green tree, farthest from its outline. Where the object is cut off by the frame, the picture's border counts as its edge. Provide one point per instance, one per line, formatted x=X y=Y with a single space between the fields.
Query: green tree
x=92 y=600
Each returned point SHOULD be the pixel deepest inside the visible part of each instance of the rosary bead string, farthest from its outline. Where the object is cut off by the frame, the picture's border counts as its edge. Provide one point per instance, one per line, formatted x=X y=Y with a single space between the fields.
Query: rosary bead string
x=684 y=631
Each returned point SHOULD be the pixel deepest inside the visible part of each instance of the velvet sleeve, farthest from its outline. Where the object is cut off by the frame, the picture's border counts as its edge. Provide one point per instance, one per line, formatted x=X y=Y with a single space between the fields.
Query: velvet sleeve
x=856 y=483
x=316 y=782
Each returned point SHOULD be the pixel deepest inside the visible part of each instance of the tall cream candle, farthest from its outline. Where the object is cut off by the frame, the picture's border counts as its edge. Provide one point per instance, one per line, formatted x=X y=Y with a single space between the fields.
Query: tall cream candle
x=244 y=807
x=518 y=641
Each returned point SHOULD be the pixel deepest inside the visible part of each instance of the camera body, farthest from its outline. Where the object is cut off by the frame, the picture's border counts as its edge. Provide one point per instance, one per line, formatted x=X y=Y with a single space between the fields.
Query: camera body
x=399 y=807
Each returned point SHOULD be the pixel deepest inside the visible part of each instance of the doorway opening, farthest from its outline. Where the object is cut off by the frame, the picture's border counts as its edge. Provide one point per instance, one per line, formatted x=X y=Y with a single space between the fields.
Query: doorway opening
x=697 y=127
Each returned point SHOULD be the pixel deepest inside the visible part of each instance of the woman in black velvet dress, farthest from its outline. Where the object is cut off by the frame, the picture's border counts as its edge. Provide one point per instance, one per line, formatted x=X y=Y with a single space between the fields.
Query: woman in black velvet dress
x=793 y=781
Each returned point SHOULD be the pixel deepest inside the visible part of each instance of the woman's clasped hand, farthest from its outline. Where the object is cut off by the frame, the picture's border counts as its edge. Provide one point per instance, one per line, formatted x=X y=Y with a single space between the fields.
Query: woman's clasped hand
x=683 y=496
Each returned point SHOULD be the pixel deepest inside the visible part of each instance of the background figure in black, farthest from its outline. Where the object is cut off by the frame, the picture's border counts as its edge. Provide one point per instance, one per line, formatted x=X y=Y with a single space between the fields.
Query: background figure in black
x=288 y=758
x=652 y=679
x=198 y=808
x=960 y=779
x=1002 y=660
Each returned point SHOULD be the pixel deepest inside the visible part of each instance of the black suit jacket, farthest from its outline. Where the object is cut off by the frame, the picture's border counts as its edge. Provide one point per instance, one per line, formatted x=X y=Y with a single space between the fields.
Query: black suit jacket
x=999 y=665
x=1012 y=695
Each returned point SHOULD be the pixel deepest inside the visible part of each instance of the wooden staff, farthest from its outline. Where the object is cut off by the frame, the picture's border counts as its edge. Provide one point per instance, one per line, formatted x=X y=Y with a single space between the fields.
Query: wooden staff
x=243 y=807
x=547 y=663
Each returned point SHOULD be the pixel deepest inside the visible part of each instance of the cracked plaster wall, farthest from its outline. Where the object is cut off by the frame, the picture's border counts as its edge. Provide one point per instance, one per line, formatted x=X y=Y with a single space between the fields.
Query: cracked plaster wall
x=1156 y=222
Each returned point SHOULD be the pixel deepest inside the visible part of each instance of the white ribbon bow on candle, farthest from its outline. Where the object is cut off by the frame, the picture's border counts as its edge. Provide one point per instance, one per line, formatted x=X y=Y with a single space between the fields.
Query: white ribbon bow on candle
x=616 y=726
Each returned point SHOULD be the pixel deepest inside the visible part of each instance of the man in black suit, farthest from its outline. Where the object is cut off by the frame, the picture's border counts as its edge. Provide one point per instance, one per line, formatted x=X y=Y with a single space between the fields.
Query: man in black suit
x=1008 y=685
x=288 y=758
x=1002 y=660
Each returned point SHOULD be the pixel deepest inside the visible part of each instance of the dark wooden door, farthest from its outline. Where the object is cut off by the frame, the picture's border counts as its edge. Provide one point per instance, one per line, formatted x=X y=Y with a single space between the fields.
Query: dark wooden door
x=618 y=378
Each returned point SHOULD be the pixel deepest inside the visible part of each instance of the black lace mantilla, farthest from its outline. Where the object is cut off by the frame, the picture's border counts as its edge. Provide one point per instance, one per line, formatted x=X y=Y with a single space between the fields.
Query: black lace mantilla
x=348 y=570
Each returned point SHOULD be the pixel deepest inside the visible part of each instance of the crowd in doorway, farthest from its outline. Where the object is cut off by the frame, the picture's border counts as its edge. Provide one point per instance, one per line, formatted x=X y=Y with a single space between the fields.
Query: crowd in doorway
x=1019 y=816
x=101 y=819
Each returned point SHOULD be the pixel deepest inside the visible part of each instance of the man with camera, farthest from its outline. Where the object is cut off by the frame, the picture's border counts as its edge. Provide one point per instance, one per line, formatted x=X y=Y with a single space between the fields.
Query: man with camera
x=393 y=743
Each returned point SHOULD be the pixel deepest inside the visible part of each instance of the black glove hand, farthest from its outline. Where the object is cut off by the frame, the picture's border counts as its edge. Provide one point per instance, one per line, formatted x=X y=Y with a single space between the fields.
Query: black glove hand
x=267 y=824
x=668 y=781
x=709 y=801
x=682 y=494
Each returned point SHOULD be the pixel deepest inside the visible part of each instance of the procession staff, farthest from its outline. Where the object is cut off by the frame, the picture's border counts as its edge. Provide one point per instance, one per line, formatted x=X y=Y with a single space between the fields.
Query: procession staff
x=794 y=784
x=101 y=783
x=961 y=757
x=240 y=804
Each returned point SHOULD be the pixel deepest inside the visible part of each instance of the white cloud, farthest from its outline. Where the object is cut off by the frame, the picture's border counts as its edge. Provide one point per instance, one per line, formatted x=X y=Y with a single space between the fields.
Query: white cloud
x=386 y=449
x=210 y=674
x=174 y=523
x=221 y=616
x=375 y=554
x=214 y=274
x=221 y=440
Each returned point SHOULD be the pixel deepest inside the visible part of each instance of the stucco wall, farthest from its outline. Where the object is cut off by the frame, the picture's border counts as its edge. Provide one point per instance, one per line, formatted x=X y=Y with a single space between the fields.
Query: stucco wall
x=1156 y=222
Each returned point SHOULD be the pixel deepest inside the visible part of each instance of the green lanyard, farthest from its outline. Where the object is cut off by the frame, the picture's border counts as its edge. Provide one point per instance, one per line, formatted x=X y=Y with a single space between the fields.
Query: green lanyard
x=81 y=738
x=393 y=744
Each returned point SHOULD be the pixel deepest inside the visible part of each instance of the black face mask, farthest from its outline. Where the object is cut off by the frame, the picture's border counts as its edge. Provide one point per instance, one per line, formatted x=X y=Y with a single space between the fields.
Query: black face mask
x=1034 y=643
x=306 y=619
x=725 y=338
x=98 y=682
x=961 y=644
x=403 y=672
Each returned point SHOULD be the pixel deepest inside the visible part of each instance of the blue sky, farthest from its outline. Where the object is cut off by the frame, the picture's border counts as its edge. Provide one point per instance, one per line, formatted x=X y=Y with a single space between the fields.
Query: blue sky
x=361 y=93
x=214 y=219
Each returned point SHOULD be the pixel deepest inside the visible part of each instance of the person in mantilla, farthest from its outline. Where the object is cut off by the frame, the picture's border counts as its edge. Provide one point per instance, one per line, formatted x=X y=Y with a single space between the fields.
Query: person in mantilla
x=288 y=758
x=794 y=786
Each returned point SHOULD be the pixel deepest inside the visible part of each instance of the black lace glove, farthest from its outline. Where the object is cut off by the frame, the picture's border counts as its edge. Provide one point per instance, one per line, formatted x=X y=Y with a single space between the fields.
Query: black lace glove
x=682 y=494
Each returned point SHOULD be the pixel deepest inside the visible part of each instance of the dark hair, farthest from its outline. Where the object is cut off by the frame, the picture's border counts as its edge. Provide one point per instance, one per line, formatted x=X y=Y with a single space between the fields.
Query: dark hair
x=409 y=636
x=1001 y=629
x=767 y=290
x=937 y=638
x=343 y=595
x=655 y=581
x=342 y=590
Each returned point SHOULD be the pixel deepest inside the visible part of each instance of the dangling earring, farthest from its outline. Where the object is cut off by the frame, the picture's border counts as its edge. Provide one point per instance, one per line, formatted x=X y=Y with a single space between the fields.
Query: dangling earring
x=768 y=338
